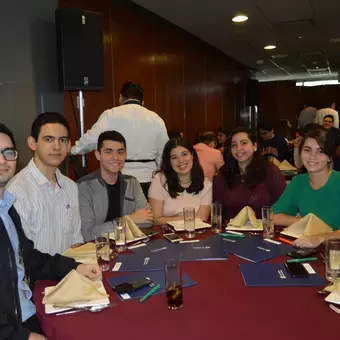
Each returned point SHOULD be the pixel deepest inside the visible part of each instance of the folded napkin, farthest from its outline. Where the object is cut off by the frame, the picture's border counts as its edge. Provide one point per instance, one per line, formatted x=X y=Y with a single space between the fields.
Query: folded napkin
x=286 y=166
x=85 y=253
x=244 y=217
x=308 y=225
x=133 y=232
x=334 y=290
x=275 y=161
x=74 y=288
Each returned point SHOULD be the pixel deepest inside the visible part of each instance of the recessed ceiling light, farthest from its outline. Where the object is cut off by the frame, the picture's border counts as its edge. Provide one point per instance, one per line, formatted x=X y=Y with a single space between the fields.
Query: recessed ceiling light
x=270 y=47
x=300 y=37
x=239 y=18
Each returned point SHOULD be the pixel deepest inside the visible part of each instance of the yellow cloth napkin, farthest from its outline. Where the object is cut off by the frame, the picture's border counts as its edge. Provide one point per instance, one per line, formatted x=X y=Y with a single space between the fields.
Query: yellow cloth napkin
x=308 y=226
x=275 y=161
x=132 y=231
x=85 y=253
x=245 y=216
x=73 y=288
x=286 y=166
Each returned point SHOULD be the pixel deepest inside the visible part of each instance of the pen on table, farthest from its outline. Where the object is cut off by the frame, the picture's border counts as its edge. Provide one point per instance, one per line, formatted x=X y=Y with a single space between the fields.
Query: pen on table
x=189 y=241
x=284 y=240
x=150 y=292
x=231 y=235
x=306 y=259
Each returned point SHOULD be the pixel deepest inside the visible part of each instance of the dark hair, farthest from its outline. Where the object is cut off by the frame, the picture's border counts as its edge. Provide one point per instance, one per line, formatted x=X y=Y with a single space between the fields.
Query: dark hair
x=197 y=175
x=308 y=127
x=48 y=118
x=329 y=116
x=266 y=125
x=255 y=171
x=131 y=90
x=112 y=135
x=208 y=137
x=283 y=130
x=174 y=134
x=221 y=130
x=6 y=131
x=320 y=135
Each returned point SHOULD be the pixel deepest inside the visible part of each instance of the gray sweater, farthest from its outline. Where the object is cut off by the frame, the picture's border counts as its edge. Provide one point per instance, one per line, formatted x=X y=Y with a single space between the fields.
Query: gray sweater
x=94 y=202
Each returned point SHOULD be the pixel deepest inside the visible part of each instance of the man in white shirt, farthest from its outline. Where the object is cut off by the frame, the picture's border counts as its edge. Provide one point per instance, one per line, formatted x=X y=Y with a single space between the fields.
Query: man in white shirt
x=47 y=201
x=321 y=114
x=144 y=131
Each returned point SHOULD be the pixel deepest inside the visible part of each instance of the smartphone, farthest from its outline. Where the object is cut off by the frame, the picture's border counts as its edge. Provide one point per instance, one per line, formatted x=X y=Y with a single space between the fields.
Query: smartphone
x=296 y=269
x=128 y=287
x=299 y=253
x=172 y=237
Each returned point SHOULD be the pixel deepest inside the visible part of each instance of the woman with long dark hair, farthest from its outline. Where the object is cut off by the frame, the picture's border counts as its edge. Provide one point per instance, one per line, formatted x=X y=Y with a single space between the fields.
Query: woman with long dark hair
x=179 y=183
x=246 y=179
x=317 y=191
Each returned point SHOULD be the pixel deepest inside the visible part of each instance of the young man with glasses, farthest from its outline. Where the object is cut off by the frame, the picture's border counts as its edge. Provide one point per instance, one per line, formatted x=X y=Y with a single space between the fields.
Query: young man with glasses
x=51 y=219
x=20 y=263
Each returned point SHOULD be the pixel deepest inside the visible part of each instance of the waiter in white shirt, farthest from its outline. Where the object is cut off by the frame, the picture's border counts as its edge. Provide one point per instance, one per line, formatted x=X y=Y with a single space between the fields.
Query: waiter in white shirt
x=321 y=114
x=144 y=131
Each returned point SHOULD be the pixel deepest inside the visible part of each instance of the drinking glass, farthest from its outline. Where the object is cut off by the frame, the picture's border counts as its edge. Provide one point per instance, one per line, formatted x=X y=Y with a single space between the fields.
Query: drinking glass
x=268 y=221
x=216 y=217
x=189 y=222
x=173 y=284
x=120 y=234
x=102 y=243
x=332 y=259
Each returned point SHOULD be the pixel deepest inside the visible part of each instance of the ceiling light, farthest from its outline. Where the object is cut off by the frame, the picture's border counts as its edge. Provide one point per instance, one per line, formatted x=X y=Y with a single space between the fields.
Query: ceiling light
x=240 y=18
x=317 y=83
x=300 y=37
x=270 y=47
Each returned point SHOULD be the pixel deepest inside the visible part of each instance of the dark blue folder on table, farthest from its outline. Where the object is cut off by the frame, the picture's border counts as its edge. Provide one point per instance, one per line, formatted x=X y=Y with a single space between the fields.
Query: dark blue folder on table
x=155 y=247
x=255 y=248
x=157 y=277
x=140 y=262
x=276 y=275
x=208 y=249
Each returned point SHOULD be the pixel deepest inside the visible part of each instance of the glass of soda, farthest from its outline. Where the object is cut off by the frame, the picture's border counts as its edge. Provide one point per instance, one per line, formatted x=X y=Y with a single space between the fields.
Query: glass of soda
x=173 y=283
x=103 y=251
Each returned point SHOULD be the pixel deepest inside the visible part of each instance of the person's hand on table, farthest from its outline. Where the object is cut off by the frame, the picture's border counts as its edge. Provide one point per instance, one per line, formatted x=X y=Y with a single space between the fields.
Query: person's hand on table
x=92 y=271
x=36 y=336
x=309 y=241
x=142 y=216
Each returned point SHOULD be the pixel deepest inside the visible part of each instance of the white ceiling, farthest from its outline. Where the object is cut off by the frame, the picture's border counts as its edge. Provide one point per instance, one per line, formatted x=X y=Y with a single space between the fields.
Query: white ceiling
x=280 y=22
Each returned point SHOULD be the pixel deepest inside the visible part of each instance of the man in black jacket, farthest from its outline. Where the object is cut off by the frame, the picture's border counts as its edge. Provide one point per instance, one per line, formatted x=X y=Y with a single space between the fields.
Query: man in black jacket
x=21 y=265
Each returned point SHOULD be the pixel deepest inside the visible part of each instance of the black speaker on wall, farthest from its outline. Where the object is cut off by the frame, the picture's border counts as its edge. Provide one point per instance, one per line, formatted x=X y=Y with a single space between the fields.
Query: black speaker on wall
x=80 y=49
x=252 y=92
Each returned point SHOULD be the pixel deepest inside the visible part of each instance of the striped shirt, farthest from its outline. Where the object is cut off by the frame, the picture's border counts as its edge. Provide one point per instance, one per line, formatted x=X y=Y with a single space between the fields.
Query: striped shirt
x=49 y=214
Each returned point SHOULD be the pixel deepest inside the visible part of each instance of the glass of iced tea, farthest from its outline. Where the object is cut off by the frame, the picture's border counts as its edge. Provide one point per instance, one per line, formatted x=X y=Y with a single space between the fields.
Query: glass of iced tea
x=173 y=283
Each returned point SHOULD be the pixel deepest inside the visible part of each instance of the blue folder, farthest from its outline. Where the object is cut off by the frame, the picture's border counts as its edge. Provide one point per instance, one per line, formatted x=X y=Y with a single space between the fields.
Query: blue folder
x=157 y=277
x=208 y=249
x=155 y=247
x=268 y=275
x=255 y=248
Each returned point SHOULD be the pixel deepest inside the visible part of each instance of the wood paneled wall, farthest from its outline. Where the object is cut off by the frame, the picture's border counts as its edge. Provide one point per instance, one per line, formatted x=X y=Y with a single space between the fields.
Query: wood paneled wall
x=191 y=85
x=284 y=100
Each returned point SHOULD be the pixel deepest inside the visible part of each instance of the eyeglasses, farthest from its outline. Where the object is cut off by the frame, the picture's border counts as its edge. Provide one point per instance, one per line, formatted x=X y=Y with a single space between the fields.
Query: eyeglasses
x=9 y=154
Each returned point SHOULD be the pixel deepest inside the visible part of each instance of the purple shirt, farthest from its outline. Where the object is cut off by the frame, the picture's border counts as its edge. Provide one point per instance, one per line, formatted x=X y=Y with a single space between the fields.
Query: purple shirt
x=235 y=199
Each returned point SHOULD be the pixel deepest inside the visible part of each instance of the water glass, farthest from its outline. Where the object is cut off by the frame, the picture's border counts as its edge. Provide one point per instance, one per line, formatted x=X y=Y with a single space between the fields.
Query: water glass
x=173 y=284
x=268 y=221
x=102 y=242
x=332 y=259
x=120 y=234
x=216 y=217
x=189 y=222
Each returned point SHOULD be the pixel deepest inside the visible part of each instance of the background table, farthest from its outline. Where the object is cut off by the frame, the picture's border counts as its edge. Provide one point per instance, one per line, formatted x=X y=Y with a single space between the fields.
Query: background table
x=220 y=306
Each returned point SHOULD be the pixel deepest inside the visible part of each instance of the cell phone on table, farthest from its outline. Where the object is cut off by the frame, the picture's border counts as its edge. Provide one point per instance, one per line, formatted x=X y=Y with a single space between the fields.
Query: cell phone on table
x=127 y=287
x=299 y=253
x=172 y=237
x=296 y=269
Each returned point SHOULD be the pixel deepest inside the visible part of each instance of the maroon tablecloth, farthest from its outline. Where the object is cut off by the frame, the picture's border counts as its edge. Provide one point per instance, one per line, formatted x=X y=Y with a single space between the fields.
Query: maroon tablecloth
x=220 y=306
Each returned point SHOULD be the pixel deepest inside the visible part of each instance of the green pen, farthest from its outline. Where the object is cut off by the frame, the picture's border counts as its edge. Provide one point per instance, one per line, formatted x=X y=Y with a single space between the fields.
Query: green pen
x=232 y=235
x=150 y=292
x=306 y=259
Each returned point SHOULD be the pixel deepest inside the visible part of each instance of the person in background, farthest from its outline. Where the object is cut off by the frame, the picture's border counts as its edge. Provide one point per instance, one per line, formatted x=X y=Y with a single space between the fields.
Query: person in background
x=333 y=144
x=330 y=110
x=306 y=116
x=179 y=183
x=107 y=194
x=328 y=122
x=51 y=219
x=313 y=192
x=21 y=264
x=221 y=138
x=144 y=131
x=246 y=178
x=174 y=134
x=270 y=144
x=210 y=158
